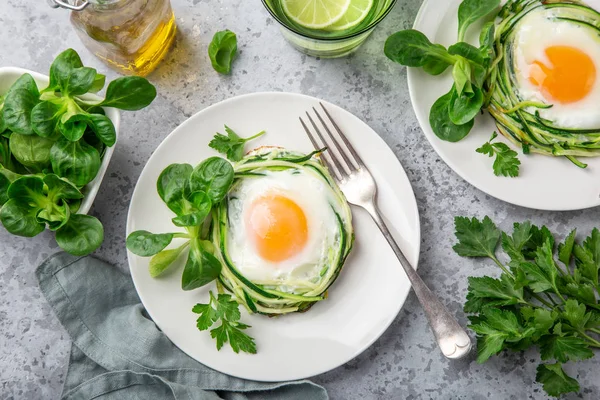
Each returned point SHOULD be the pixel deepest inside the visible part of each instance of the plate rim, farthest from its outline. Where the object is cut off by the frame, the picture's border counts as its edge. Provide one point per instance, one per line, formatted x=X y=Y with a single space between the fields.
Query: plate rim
x=377 y=137
x=432 y=139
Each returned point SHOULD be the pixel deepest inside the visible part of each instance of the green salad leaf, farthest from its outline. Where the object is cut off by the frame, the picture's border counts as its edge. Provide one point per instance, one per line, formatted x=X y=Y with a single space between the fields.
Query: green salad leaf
x=222 y=51
x=20 y=100
x=441 y=123
x=81 y=235
x=470 y=11
x=537 y=301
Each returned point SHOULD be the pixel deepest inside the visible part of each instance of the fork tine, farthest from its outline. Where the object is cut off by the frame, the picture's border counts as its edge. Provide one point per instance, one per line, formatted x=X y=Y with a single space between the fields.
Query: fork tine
x=357 y=158
x=350 y=164
x=336 y=162
x=324 y=155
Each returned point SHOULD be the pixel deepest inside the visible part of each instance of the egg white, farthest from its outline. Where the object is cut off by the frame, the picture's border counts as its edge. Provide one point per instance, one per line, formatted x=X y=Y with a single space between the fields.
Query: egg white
x=539 y=30
x=314 y=197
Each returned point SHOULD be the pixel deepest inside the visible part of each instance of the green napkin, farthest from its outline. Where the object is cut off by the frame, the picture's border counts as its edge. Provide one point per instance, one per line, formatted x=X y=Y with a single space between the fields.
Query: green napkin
x=119 y=353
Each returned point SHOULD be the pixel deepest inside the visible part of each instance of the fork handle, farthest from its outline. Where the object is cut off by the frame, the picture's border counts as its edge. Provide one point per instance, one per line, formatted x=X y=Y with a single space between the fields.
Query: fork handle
x=450 y=336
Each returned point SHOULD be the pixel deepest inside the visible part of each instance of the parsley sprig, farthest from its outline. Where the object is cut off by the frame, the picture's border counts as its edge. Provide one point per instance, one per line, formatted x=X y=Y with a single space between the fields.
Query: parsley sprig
x=224 y=309
x=506 y=162
x=231 y=145
x=546 y=296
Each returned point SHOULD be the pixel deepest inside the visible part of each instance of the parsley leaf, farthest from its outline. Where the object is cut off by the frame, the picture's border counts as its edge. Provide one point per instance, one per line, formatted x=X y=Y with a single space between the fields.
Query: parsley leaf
x=581 y=291
x=576 y=314
x=231 y=145
x=587 y=257
x=475 y=238
x=225 y=309
x=554 y=379
x=513 y=245
x=565 y=249
x=207 y=316
x=496 y=292
x=239 y=340
x=564 y=348
x=538 y=237
x=496 y=327
x=506 y=162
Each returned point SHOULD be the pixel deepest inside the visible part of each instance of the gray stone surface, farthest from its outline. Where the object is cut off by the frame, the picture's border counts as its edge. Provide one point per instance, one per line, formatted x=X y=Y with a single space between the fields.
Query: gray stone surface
x=404 y=362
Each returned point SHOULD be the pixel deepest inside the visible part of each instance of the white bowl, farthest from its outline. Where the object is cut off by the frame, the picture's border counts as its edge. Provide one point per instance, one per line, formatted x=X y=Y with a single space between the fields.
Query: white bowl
x=8 y=75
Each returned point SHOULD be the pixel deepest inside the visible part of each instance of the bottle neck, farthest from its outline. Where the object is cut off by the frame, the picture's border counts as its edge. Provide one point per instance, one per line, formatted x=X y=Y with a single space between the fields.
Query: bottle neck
x=107 y=4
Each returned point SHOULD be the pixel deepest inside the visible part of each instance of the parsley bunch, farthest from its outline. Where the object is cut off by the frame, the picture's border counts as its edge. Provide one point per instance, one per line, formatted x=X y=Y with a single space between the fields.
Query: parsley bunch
x=225 y=309
x=546 y=296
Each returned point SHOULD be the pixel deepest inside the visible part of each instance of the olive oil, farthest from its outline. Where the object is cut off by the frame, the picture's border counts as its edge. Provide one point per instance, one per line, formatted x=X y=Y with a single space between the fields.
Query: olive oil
x=130 y=35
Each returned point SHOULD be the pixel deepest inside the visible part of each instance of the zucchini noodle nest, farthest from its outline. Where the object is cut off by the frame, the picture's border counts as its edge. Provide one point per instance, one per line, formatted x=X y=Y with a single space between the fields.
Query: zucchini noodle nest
x=290 y=291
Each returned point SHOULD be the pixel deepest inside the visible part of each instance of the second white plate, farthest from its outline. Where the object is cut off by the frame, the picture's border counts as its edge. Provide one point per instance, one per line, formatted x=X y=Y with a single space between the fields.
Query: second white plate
x=362 y=303
x=545 y=183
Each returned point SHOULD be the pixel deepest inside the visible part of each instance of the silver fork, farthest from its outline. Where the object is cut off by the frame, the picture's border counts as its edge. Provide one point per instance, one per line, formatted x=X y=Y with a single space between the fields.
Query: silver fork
x=360 y=189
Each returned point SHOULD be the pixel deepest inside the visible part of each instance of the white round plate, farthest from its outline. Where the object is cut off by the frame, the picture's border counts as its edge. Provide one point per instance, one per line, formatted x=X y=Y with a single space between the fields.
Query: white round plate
x=545 y=183
x=363 y=301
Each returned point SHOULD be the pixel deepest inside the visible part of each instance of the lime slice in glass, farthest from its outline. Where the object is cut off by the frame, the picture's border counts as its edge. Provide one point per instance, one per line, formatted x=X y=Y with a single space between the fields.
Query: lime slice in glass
x=315 y=14
x=356 y=13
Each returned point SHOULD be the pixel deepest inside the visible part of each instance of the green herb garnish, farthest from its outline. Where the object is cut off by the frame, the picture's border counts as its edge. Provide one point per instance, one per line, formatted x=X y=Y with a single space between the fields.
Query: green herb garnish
x=226 y=310
x=222 y=50
x=51 y=147
x=507 y=161
x=546 y=296
x=231 y=145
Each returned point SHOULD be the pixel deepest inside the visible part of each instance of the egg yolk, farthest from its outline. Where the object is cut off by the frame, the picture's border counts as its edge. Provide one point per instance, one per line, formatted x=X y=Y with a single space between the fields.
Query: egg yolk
x=569 y=77
x=277 y=226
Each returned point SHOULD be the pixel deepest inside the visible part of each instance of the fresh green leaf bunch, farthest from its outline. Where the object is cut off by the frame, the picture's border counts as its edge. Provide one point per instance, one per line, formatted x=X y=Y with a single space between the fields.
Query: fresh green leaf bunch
x=546 y=296
x=51 y=145
x=226 y=310
x=222 y=51
x=452 y=116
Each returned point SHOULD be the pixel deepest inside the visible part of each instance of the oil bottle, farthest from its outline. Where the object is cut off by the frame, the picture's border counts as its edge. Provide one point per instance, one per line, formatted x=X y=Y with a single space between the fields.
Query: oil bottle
x=130 y=35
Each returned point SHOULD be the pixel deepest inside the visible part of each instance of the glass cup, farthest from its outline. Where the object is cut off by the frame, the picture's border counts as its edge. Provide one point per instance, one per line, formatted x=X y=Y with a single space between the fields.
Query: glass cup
x=324 y=44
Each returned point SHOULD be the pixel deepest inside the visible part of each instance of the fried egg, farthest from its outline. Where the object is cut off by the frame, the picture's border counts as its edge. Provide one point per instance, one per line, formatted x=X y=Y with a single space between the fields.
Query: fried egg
x=557 y=62
x=282 y=227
